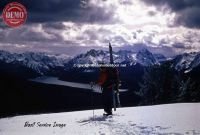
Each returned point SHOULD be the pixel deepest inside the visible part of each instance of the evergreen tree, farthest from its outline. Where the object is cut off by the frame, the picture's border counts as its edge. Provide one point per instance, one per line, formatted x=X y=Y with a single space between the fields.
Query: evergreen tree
x=150 y=89
x=162 y=84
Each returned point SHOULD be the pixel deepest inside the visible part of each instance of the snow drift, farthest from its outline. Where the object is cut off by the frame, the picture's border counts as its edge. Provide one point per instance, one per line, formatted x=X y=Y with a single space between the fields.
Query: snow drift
x=170 y=119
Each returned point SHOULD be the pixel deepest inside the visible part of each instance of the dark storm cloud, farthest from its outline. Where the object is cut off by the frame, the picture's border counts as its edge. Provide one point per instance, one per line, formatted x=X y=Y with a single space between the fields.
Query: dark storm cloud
x=30 y=34
x=188 y=11
x=179 y=46
x=165 y=50
x=55 y=25
x=190 y=18
x=64 y=10
x=151 y=13
x=175 y=5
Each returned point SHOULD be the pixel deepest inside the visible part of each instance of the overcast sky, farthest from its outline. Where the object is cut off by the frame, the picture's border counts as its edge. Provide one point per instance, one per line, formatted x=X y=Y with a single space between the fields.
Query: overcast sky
x=73 y=26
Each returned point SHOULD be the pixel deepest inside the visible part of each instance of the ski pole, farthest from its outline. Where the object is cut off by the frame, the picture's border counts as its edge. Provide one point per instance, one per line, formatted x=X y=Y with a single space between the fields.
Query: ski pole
x=114 y=101
x=92 y=90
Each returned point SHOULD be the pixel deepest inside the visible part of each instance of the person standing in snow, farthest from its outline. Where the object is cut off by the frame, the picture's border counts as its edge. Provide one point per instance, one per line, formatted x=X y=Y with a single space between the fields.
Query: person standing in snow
x=108 y=80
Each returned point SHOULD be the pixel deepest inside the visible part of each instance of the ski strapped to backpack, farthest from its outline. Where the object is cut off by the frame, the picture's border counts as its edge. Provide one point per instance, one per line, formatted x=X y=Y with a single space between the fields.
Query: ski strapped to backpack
x=115 y=90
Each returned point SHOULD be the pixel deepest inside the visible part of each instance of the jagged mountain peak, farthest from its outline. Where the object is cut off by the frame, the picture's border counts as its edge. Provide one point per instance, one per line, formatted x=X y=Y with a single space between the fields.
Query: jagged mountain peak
x=143 y=57
x=40 y=62
x=145 y=51
x=95 y=53
x=186 y=62
x=183 y=61
x=146 y=58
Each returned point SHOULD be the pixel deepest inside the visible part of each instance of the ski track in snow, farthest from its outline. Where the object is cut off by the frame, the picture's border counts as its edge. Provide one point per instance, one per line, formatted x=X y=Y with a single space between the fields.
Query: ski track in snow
x=170 y=119
x=110 y=126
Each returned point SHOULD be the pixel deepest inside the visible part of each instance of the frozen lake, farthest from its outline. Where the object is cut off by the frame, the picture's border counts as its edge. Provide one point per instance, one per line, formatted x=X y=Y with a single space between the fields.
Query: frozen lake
x=56 y=81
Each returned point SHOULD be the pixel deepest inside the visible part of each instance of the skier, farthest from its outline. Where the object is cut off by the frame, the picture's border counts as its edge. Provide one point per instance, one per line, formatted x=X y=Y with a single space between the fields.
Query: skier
x=108 y=80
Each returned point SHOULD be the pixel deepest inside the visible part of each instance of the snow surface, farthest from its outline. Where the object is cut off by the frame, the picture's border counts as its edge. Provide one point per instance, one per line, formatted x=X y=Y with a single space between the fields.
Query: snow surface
x=170 y=119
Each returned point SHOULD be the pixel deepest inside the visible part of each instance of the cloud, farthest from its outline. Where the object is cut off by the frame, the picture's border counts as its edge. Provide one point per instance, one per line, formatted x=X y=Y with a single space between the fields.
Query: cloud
x=80 y=11
x=165 y=50
x=63 y=25
x=189 y=17
x=175 y=5
x=179 y=45
x=54 y=26
x=187 y=11
x=63 y=36
x=27 y=34
x=151 y=13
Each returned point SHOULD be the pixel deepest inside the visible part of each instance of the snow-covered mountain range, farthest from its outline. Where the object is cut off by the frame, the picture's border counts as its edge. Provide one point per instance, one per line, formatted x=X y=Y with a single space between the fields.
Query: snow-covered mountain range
x=143 y=57
x=39 y=62
x=186 y=62
x=43 y=63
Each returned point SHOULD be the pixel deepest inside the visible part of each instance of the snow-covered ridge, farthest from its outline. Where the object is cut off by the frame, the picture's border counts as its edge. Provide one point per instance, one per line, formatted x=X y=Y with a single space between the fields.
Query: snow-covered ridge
x=170 y=119
x=143 y=57
x=43 y=62
x=40 y=62
x=186 y=62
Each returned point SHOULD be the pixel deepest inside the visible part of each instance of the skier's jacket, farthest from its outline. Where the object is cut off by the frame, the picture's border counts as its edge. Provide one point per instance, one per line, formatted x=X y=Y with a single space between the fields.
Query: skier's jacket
x=108 y=78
